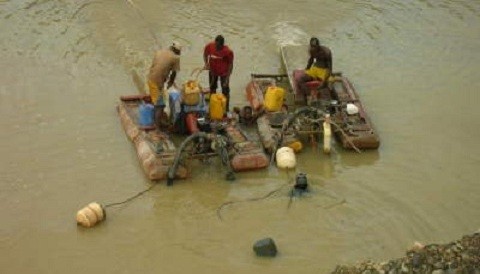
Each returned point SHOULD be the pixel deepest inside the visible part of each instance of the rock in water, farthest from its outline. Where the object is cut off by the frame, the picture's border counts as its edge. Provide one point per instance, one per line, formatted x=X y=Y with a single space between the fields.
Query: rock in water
x=265 y=248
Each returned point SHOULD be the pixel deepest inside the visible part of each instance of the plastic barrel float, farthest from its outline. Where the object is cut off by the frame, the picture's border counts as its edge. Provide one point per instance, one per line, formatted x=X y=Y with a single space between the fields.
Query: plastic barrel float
x=90 y=215
x=285 y=157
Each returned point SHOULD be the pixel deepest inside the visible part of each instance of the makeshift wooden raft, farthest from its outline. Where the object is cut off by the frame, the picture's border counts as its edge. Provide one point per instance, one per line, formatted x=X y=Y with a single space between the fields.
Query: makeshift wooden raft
x=155 y=150
x=354 y=129
x=247 y=154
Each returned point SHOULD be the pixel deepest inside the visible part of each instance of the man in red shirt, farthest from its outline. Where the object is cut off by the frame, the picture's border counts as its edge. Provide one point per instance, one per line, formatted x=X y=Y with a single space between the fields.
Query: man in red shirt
x=218 y=60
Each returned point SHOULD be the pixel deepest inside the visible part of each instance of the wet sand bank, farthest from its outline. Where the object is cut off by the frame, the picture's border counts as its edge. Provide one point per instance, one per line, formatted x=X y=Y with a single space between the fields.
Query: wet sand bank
x=460 y=256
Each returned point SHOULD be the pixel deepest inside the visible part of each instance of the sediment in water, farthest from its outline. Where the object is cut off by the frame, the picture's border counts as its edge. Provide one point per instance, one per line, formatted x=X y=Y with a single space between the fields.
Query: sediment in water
x=461 y=256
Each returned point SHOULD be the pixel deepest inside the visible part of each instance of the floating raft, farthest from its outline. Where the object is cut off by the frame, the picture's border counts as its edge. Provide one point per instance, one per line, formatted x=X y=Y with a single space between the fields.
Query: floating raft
x=248 y=154
x=154 y=148
x=269 y=129
x=356 y=129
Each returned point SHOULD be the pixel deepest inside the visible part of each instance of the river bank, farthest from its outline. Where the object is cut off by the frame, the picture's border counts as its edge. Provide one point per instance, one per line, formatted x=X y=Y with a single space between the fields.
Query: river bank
x=66 y=63
x=460 y=256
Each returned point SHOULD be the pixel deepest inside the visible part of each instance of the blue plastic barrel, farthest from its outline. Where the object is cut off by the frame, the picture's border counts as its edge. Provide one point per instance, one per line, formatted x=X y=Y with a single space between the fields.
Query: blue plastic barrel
x=145 y=115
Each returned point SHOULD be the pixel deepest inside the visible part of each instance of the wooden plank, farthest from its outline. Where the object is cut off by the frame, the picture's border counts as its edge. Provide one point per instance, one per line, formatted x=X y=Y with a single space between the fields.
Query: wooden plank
x=293 y=58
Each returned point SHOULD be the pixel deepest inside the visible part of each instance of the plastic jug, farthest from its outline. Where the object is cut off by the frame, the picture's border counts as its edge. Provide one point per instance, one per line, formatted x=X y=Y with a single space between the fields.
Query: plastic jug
x=145 y=115
x=274 y=98
x=191 y=121
x=191 y=93
x=174 y=102
x=218 y=105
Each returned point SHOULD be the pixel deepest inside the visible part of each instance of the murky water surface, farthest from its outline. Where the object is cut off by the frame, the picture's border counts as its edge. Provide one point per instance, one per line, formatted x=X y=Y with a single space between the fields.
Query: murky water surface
x=65 y=63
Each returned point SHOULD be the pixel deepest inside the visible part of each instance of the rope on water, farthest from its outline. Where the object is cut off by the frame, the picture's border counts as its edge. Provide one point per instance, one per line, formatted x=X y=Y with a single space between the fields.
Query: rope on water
x=290 y=194
x=269 y=194
x=340 y=200
x=131 y=198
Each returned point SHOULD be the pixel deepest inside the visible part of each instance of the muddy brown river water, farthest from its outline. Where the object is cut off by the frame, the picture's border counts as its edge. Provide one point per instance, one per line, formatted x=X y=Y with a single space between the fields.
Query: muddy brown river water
x=416 y=66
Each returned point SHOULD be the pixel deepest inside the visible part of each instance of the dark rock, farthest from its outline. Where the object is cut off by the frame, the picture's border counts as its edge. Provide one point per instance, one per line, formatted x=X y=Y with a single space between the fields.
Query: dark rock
x=265 y=248
x=453 y=271
x=439 y=265
x=417 y=260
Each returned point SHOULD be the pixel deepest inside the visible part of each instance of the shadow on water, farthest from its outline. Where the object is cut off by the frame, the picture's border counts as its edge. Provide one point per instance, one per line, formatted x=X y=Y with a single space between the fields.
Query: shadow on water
x=353 y=159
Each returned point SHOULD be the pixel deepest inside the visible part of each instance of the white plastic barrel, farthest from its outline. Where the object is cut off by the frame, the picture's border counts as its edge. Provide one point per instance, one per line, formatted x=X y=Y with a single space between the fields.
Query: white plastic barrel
x=285 y=157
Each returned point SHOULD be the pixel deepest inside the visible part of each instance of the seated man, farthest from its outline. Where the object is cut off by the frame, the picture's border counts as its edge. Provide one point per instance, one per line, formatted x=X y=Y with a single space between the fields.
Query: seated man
x=319 y=66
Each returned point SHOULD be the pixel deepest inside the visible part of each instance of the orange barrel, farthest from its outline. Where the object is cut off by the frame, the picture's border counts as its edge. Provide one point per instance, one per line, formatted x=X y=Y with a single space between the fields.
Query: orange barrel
x=274 y=98
x=218 y=105
x=191 y=121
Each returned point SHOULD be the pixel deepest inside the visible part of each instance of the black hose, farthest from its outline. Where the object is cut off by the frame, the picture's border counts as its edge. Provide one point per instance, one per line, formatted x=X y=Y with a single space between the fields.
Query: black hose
x=221 y=149
x=219 y=209
x=173 y=169
x=269 y=194
x=223 y=152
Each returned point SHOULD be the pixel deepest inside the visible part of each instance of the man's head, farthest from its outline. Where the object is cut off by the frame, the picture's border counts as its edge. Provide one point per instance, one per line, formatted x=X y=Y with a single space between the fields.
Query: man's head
x=219 y=42
x=314 y=42
x=176 y=47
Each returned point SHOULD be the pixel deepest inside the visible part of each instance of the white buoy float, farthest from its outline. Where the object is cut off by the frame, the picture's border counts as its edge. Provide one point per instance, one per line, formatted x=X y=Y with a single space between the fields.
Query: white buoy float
x=90 y=215
x=285 y=157
x=327 y=134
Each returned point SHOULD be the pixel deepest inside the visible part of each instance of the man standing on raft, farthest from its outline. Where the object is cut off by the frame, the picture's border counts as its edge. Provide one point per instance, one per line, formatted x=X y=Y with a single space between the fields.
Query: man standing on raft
x=165 y=65
x=218 y=60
